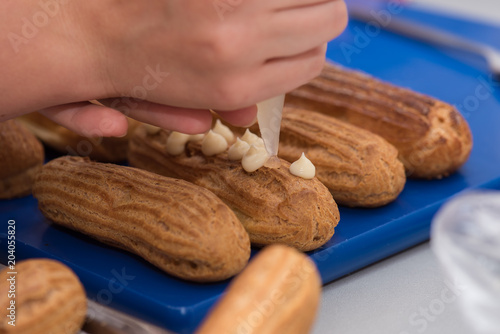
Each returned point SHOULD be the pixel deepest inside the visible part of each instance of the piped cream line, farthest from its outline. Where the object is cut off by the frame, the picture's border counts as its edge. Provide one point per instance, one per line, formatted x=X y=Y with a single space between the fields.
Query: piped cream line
x=254 y=159
x=238 y=150
x=224 y=131
x=176 y=143
x=213 y=143
x=252 y=139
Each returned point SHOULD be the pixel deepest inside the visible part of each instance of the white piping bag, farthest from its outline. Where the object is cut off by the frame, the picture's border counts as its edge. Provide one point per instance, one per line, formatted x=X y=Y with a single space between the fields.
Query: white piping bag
x=269 y=117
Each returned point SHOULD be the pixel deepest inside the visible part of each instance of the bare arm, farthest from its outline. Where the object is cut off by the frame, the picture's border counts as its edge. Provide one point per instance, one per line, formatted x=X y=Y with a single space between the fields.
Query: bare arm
x=162 y=62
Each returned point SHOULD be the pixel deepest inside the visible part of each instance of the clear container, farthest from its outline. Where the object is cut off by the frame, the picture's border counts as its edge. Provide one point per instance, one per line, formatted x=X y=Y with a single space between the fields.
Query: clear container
x=465 y=236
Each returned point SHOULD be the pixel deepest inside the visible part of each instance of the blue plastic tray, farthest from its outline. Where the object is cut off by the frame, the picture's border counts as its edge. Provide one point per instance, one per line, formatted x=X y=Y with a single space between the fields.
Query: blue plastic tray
x=128 y=283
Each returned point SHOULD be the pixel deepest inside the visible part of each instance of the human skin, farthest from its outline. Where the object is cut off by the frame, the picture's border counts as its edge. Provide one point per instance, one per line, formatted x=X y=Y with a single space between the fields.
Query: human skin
x=161 y=62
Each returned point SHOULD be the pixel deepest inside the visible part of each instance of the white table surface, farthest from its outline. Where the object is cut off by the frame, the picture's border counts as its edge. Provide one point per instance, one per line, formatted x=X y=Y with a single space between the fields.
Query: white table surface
x=407 y=293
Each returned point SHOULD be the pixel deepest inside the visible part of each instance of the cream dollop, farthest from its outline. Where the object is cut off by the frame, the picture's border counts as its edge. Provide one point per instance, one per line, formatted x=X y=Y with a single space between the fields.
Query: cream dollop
x=224 y=131
x=238 y=150
x=255 y=158
x=213 y=144
x=151 y=129
x=303 y=168
x=196 y=138
x=252 y=139
x=176 y=142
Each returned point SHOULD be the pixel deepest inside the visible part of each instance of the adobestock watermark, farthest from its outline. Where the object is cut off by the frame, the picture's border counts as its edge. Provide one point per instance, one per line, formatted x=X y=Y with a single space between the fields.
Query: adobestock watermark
x=151 y=80
x=269 y=118
x=420 y=320
x=421 y=154
x=118 y=282
x=30 y=26
x=363 y=36
x=85 y=147
x=223 y=7
x=483 y=91
x=264 y=309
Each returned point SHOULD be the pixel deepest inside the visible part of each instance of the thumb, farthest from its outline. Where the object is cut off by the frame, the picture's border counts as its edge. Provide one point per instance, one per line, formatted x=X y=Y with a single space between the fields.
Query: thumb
x=88 y=119
x=241 y=117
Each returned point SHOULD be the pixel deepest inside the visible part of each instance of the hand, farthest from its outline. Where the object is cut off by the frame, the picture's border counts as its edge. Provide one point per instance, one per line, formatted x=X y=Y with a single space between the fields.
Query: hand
x=167 y=62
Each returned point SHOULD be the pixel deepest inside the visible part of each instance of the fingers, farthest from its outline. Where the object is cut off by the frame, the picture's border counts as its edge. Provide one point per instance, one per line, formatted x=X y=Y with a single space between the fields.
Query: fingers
x=285 y=74
x=241 y=117
x=299 y=29
x=92 y=120
x=291 y=51
x=189 y=121
x=271 y=79
x=88 y=120
x=281 y=5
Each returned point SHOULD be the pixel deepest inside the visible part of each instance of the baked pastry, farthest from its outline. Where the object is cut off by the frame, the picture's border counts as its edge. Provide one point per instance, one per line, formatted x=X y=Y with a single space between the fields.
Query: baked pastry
x=432 y=138
x=360 y=168
x=48 y=298
x=103 y=149
x=177 y=226
x=273 y=205
x=21 y=157
x=278 y=292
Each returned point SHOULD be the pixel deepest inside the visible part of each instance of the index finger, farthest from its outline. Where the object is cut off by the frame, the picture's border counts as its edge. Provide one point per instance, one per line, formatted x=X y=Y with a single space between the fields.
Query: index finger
x=241 y=117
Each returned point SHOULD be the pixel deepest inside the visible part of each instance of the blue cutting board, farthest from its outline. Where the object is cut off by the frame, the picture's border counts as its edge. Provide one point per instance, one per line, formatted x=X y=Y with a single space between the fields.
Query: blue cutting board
x=126 y=282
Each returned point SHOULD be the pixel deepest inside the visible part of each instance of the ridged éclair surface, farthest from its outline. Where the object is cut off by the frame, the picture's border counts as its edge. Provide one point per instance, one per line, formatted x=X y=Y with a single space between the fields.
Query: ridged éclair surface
x=360 y=168
x=432 y=137
x=49 y=298
x=179 y=227
x=65 y=141
x=21 y=157
x=272 y=204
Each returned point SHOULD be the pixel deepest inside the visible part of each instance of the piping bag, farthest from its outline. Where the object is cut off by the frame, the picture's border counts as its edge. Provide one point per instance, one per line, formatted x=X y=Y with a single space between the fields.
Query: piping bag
x=269 y=118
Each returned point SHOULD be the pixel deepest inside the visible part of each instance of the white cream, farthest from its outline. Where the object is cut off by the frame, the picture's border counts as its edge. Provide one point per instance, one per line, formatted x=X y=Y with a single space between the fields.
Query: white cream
x=176 y=142
x=255 y=158
x=151 y=129
x=252 y=139
x=213 y=144
x=238 y=150
x=195 y=138
x=224 y=131
x=303 y=168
